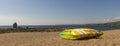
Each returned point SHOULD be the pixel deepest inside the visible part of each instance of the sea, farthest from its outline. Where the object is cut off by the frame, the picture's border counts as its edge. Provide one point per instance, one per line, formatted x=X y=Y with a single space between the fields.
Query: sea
x=64 y=26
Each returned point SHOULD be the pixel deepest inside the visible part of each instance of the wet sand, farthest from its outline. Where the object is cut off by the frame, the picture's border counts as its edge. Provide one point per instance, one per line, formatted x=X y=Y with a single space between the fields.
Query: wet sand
x=110 y=38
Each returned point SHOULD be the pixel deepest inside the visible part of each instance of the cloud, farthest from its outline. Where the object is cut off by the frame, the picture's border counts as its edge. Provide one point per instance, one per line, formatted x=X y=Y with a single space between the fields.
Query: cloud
x=118 y=17
x=26 y=20
x=101 y=20
x=23 y=20
x=10 y=19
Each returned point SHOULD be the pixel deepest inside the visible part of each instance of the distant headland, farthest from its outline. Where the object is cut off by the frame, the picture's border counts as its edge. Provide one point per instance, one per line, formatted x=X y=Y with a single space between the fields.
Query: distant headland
x=117 y=23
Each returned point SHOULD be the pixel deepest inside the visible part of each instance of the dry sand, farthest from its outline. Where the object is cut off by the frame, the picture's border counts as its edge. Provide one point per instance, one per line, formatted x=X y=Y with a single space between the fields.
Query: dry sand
x=110 y=38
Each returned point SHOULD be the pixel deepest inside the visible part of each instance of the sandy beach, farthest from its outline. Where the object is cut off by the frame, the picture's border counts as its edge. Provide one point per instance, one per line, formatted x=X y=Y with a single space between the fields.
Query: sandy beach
x=110 y=38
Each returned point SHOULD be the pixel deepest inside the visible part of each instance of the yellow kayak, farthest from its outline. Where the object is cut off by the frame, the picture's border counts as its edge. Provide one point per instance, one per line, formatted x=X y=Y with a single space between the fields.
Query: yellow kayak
x=80 y=33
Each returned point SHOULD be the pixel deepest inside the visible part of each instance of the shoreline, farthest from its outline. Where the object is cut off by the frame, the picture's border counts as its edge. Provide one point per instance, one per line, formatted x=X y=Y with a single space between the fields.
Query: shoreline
x=11 y=30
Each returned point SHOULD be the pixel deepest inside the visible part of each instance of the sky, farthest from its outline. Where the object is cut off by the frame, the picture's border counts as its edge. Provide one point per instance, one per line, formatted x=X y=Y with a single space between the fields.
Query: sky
x=51 y=12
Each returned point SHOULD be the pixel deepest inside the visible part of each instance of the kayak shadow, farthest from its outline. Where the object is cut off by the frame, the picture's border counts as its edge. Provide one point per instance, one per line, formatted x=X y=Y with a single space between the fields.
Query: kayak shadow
x=90 y=38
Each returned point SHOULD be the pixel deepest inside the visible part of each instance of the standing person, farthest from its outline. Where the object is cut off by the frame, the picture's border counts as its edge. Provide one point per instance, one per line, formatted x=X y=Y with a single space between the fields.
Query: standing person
x=15 y=25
